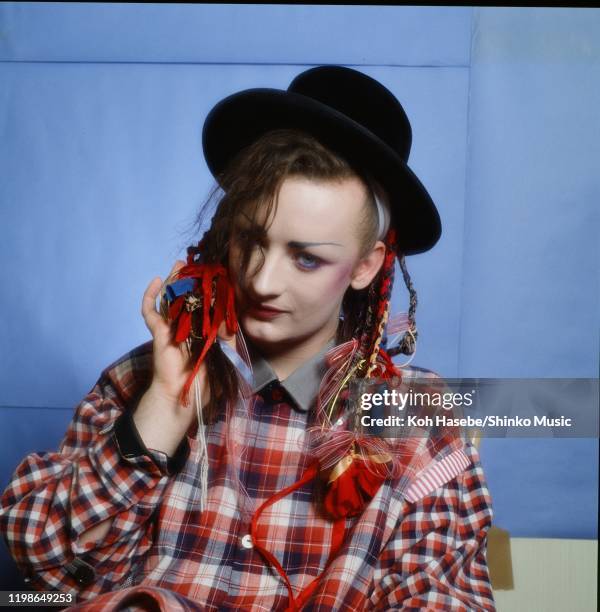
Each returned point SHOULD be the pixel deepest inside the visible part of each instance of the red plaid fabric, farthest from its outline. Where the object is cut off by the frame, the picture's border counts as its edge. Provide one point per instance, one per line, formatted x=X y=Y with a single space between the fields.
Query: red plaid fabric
x=163 y=553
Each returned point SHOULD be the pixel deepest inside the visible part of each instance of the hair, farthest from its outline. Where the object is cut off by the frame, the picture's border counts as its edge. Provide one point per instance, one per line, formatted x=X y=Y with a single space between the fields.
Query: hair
x=251 y=180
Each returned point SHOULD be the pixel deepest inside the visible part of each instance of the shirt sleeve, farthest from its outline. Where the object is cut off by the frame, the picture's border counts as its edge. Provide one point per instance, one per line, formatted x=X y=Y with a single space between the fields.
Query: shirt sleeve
x=101 y=471
x=436 y=556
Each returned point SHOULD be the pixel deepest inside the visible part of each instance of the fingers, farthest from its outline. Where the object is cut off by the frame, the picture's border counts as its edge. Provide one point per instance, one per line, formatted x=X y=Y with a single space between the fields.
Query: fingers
x=151 y=316
x=176 y=266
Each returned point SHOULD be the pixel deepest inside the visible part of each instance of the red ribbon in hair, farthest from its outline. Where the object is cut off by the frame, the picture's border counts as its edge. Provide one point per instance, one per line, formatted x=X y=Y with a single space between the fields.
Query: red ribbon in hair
x=212 y=292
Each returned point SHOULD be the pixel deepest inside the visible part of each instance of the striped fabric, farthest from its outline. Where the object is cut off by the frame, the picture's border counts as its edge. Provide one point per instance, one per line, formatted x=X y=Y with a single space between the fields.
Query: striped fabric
x=438 y=474
x=421 y=550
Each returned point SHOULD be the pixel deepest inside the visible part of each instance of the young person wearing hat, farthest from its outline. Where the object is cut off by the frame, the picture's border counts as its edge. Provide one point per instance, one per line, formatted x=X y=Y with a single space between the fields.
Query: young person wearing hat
x=222 y=465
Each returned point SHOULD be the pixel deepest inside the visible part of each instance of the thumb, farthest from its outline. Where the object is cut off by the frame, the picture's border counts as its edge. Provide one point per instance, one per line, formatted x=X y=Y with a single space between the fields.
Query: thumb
x=151 y=316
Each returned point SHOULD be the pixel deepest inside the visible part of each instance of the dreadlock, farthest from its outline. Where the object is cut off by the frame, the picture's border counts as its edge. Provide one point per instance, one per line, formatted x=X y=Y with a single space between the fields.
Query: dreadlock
x=407 y=345
x=372 y=318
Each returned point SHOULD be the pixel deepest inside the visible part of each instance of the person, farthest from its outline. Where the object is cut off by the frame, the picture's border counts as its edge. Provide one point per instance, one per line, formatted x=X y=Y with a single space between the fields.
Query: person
x=225 y=470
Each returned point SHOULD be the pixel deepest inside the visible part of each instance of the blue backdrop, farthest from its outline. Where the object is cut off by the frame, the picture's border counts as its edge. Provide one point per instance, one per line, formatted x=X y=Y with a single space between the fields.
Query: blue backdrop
x=101 y=174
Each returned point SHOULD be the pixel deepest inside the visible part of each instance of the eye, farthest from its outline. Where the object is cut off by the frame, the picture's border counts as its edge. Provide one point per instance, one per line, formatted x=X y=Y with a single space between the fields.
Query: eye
x=307 y=261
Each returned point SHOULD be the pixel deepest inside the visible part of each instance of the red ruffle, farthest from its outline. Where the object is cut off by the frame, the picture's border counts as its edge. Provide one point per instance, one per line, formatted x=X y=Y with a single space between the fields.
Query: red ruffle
x=352 y=490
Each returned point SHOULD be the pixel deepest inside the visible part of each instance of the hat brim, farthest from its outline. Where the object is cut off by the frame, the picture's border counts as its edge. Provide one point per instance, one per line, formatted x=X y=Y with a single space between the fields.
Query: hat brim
x=239 y=119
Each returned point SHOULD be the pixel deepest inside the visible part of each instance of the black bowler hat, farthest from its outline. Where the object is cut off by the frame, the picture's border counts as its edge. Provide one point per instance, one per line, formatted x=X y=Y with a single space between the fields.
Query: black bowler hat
x=347 y=111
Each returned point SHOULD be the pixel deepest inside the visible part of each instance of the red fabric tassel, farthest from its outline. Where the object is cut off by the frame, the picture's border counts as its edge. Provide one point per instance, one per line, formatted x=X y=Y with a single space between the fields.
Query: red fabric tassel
x=213 y=286
x=184 y=326
x=175 y=307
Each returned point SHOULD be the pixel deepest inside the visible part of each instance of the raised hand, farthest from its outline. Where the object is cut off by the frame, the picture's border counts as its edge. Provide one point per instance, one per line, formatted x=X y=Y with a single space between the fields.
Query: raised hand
x=160 y=418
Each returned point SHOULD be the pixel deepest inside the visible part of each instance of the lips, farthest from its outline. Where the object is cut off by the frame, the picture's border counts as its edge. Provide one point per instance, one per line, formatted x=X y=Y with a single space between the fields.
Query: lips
x=264 y=311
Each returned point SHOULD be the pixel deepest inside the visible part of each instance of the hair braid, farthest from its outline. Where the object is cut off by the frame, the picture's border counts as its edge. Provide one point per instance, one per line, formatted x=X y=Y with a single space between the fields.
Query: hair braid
x=383 y=296
x=407 y=345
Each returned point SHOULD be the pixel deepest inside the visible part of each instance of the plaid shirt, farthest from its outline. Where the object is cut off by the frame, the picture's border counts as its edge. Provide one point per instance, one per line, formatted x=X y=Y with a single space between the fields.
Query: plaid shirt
x=423 y=549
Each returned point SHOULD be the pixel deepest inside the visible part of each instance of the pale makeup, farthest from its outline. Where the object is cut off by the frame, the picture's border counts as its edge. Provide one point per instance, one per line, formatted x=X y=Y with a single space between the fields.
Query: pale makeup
x=311 y=256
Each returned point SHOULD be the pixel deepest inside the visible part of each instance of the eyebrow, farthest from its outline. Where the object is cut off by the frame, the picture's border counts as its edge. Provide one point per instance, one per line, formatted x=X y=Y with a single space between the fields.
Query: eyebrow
x=296 y=244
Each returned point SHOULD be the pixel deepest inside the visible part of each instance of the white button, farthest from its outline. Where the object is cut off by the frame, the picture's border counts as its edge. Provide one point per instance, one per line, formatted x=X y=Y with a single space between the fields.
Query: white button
x=247 y=541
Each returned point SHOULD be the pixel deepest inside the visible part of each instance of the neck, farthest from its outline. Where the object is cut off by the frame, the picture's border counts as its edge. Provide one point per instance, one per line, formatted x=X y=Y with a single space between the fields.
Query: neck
x=286 y=358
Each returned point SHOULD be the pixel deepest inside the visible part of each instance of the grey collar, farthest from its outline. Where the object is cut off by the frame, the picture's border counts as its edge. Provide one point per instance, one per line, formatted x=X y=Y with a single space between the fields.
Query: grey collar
x=302 y=384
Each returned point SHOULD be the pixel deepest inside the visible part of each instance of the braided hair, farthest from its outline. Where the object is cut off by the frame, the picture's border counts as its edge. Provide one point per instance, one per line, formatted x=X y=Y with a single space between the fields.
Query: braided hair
x=371 y=319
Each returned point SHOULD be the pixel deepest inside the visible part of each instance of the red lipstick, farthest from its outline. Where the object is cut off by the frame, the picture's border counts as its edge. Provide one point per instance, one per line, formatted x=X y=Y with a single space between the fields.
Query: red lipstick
x=264 y=311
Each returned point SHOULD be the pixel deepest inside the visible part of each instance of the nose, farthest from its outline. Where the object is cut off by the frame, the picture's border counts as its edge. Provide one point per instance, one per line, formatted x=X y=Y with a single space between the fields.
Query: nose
x=266 y=277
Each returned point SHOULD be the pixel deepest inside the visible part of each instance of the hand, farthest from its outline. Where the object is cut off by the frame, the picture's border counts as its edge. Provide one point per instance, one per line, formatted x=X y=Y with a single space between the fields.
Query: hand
x=160 y=419
x=171 y=364
x=171 y=361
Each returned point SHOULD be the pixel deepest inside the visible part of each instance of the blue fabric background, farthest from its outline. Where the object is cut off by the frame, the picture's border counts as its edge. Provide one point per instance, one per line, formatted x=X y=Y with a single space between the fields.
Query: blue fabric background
x=101 y=173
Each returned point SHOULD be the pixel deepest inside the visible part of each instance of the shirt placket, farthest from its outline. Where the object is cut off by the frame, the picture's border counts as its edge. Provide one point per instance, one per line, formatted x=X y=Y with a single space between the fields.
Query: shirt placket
x=275 y=395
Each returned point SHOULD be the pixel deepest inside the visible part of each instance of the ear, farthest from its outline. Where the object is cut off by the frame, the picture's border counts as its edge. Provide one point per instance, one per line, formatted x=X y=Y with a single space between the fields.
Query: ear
x=367 y=268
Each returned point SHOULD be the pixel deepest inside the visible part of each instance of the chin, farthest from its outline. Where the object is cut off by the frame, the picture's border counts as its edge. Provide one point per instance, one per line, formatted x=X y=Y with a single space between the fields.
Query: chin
x=267 y=336
x=265 y=332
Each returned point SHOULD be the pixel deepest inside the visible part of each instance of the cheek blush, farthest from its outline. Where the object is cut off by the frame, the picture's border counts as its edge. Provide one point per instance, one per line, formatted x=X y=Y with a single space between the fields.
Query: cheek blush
x=342 y=278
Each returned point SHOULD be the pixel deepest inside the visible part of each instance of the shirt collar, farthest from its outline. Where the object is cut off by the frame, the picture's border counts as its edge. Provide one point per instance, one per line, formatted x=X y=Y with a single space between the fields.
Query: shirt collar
x=302 y=384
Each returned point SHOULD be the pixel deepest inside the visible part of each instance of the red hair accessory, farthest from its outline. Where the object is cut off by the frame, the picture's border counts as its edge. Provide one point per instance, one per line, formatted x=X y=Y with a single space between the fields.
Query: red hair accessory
x=353 y=482
x=197 y=301
x=356 y=477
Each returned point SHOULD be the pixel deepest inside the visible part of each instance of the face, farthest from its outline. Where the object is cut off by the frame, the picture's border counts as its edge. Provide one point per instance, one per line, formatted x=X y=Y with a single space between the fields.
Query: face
x=311 y=256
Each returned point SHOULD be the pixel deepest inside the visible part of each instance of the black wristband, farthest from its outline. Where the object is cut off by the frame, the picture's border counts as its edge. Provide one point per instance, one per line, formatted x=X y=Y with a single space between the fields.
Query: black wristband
x=131 y=444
